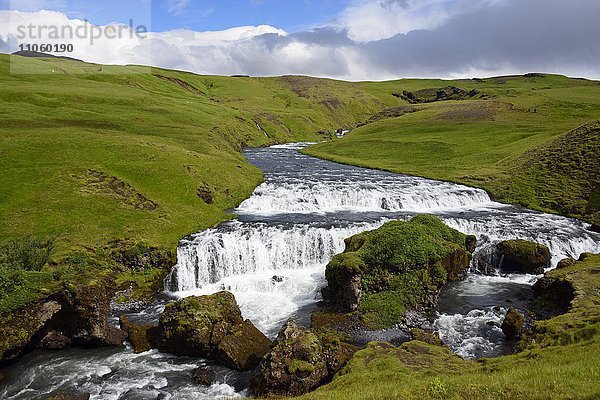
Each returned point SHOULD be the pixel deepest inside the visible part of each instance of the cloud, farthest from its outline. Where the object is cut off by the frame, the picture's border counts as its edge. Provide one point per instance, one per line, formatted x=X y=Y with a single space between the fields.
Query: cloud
x=177 y=7
x=381 y=19
x=488 y=37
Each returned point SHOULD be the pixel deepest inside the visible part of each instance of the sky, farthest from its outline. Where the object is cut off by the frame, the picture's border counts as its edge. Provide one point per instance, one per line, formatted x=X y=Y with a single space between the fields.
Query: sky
x=345 y=39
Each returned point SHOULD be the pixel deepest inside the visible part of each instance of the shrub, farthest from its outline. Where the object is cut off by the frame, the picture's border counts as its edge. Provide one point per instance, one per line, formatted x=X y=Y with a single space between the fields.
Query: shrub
x=26 y=253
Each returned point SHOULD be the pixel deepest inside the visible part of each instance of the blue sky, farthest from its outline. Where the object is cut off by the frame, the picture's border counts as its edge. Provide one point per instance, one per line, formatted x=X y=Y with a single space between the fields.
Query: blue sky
x=291 y=15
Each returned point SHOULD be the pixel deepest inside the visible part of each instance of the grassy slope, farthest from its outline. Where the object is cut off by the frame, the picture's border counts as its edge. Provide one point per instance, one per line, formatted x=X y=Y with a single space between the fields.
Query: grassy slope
x=564 y=364
x=161 y=139
x=484 y=142
x=155 y=136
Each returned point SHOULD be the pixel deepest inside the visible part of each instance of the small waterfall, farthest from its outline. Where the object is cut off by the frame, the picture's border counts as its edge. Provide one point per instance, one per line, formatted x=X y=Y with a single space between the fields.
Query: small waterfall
x=564 y=237
x=408 y=194
x=237 y=248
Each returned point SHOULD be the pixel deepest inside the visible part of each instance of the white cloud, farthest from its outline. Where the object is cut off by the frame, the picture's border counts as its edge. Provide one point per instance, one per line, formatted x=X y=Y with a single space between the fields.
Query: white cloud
x=381 y=19
x=177 y=7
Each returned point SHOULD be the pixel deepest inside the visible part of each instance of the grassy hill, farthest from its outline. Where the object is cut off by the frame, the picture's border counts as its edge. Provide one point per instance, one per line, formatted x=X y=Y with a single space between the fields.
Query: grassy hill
x=506 y=135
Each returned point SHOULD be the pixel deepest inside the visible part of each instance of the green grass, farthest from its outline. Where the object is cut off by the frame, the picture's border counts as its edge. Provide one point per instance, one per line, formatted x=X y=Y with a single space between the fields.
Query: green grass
x=562 y=363
x=490 y=143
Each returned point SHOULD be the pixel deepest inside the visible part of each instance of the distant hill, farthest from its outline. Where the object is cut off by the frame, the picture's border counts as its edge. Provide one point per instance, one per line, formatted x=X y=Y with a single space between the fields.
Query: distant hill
x=37 y=54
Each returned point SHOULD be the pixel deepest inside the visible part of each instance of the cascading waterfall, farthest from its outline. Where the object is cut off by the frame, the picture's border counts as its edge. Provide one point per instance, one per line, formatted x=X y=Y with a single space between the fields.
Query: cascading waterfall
x=237 y=248
x=409 y=194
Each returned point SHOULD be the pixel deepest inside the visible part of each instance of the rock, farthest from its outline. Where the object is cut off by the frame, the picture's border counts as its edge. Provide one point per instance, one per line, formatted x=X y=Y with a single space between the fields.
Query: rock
x=204 y=375
x=584 y=256
x=596 y=226
x=522 y=256
x=212 y=327
x=566 y=263
x=18 y=328
x=142 y=337
x=54 y=340
x=78 y=316
x=555 y=293
x=413 y=259
x=512 y=326
x=456 y=264
x=84 y=315
x=194 y=326
x=243 y=347
x=432 y=338
x=299 y=361
x=344 y=277
x=471 y=243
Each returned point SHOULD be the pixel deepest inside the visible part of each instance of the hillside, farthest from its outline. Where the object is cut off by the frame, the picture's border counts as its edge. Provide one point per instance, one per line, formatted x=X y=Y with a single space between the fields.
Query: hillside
x=507 y=135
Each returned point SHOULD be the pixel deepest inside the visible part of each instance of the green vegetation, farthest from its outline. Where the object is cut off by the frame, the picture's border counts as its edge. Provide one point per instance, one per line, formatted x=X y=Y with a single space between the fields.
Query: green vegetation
x=401 y=265
x=513 y=139
x=559 y=361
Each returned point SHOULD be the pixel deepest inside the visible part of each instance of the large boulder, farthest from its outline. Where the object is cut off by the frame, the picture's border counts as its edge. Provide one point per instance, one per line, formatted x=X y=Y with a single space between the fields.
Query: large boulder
x=596 y=226
x=513 y=323
x=243 y=347
x=400 y=267
x=77 y=316
x=522 y=256
x=299 y=361
x=344 y=274
x=141 y=336
x=212 y=327
x=18 y=328
x=84 y=315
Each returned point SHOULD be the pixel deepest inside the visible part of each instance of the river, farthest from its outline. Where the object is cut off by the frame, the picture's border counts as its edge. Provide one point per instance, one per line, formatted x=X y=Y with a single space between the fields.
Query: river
x=272 y=257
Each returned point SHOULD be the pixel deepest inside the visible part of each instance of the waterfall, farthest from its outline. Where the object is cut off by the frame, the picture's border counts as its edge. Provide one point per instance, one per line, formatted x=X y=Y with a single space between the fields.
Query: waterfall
x=408 y=194
x=238 y=248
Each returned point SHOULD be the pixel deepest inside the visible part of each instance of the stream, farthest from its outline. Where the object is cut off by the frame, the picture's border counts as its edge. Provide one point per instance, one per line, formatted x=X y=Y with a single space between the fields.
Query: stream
x=273 y=258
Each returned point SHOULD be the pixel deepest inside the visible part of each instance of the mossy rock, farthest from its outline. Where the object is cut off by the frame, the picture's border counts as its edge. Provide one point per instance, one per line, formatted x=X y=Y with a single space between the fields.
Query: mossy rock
x=243 y=347
x=299 y=361
x=142 y=337
x=523 y=256
x=513 y=323
x=399 y=267
x=195 y=325
x=596 y=226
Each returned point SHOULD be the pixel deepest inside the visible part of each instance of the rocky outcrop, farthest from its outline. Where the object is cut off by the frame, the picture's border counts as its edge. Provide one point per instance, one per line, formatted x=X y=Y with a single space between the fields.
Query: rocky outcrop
x=555 y=293
x=78 y=316
x=17 y=329
x=513 y=324
x=522 y=256
x=596 y=226
x=403 y=264
x=456 y=264
x=299 y=361
x=211 y=326
x=344 y=274
x=141 y=337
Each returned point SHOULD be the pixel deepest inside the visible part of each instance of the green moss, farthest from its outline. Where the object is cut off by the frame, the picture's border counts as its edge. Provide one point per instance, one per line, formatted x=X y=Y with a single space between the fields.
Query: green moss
x=300 y=367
